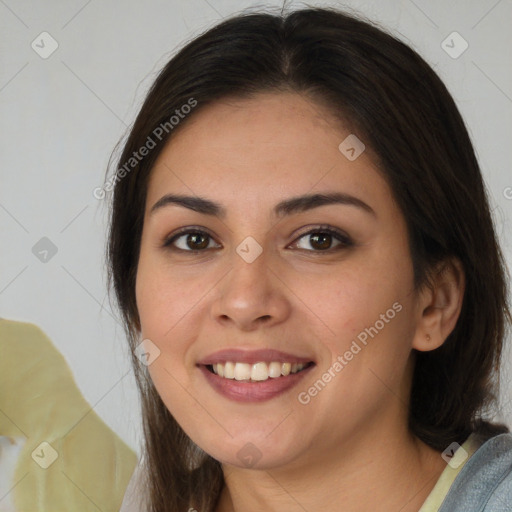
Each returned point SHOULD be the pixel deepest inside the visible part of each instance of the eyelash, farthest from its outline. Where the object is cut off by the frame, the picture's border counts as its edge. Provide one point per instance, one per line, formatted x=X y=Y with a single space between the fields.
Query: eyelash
x=340 y=236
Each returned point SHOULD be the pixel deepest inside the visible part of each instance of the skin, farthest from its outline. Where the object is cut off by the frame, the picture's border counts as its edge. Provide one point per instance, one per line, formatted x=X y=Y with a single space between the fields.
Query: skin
x=350 y=444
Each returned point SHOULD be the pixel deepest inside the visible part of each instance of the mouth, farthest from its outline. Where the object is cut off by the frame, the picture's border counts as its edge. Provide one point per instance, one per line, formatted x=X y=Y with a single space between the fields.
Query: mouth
x=253 y=376
x=258 y=372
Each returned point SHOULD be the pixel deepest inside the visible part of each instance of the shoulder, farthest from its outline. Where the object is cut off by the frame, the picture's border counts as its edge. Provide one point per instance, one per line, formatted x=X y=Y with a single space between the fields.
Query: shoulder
x=485 y=482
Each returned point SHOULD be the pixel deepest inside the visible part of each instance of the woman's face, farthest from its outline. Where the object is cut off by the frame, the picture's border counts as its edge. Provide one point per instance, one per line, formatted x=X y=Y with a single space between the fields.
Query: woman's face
x=275 y=250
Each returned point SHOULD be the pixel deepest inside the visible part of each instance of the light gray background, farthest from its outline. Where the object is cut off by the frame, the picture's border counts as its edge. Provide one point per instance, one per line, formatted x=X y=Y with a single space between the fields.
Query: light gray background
x=61 y=116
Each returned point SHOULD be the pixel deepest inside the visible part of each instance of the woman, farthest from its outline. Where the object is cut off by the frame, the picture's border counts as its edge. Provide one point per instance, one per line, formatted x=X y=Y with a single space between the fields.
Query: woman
x=303 y=254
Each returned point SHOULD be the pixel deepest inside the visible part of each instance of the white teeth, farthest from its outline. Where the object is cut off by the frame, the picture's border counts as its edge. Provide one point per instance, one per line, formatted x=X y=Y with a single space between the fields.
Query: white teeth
x=260 y=371
x=229 y=370
x=242 y=371
x=286 y=369
x=274 y=370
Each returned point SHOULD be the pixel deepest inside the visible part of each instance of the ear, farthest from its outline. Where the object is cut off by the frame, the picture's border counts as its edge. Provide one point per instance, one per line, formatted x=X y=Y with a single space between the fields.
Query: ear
x=439 y=306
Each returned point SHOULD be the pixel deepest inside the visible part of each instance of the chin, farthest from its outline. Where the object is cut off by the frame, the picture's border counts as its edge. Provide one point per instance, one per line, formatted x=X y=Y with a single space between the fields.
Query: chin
x=253 y=451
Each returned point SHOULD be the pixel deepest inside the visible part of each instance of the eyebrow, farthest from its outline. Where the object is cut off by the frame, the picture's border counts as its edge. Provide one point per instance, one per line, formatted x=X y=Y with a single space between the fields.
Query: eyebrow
x=287 y=207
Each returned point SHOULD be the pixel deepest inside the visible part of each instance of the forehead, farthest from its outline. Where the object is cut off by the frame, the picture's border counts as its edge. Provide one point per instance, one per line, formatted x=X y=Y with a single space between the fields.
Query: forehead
x=260 y=149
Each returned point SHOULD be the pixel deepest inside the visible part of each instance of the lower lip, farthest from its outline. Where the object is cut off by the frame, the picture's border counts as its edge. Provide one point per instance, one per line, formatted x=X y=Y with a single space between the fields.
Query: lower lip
x=258 y=391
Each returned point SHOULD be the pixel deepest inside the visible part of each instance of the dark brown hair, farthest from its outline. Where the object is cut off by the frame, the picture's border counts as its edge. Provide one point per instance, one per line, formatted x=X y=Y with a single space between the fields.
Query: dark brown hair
x=404 y=113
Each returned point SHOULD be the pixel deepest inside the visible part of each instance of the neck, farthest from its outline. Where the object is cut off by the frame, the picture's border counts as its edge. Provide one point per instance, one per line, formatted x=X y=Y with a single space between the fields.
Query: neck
x=371 y=471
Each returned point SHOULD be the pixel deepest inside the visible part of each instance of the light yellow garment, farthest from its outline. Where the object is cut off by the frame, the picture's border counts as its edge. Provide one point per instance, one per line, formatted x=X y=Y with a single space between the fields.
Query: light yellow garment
x=437 y=495
x=39 y=399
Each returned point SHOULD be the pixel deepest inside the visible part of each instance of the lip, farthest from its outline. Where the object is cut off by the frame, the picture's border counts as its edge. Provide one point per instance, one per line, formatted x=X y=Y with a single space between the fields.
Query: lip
x=252 y=357
x=241 y=391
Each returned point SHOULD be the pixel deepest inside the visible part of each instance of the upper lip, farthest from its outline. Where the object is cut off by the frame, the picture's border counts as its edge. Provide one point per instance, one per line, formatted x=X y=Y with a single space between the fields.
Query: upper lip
x=252 y=357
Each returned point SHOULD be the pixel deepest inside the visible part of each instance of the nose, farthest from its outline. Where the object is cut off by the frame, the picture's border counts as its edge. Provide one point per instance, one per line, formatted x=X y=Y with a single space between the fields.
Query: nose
x=251 y=296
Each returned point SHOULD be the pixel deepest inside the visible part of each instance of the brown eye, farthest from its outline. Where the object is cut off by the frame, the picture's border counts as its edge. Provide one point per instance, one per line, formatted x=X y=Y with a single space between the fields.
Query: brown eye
x=197 y=241
x=323 y=239
x=320 y=241
x=191 y=241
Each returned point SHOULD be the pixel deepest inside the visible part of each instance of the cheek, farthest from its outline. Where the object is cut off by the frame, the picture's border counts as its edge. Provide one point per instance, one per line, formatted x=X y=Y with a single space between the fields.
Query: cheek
x=165 y=296
x=163 y=306
x=344 y=299
x=368 y=335
x=368 y=301
x=171 y=304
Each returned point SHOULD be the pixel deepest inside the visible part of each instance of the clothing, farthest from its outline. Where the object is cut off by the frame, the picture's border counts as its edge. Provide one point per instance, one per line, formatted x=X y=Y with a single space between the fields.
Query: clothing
x=134 y=497
x=482 y=482
x=56 y=453
x=447 y=477
x=485 y=482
